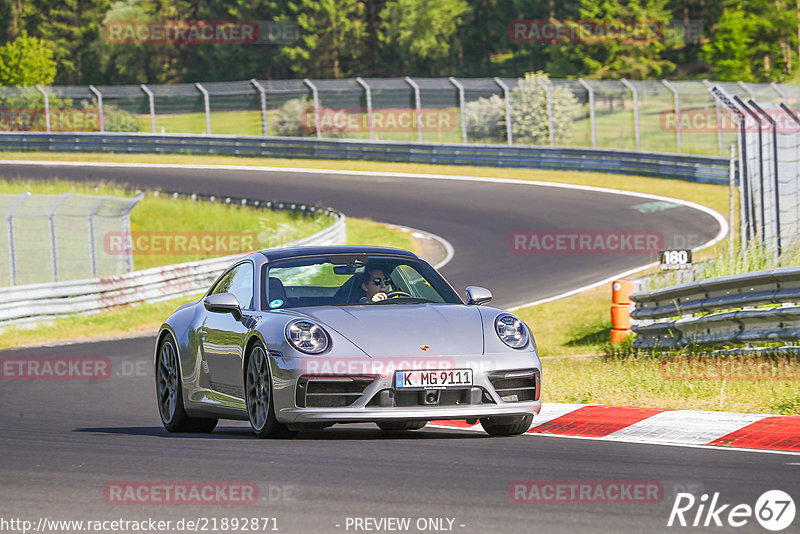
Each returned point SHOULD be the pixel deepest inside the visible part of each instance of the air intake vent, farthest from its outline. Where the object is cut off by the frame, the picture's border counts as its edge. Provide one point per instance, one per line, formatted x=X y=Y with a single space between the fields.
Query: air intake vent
x=516 y=386
x=330 y=391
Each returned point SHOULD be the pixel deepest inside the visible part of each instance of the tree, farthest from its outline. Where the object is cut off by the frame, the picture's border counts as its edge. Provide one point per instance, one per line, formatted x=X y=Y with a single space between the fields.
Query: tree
x=730 y=50
x=26 y=61
x=754 y=41
x=332 y=38
x=617 y=58
x=69 y=27
x=422 y=32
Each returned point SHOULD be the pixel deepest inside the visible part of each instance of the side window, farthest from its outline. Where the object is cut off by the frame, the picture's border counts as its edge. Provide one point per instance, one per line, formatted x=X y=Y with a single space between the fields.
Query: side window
x=238 y=281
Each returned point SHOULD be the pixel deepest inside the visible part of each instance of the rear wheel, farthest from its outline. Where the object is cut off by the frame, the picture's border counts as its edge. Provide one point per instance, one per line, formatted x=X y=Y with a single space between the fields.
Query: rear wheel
x=399 y=426
x=169 y=391
x=258 y=390
x=506 y=426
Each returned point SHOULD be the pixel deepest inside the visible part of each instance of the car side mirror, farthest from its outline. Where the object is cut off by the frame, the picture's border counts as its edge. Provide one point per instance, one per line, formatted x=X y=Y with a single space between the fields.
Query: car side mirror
x=478 y=295
x=223 y=303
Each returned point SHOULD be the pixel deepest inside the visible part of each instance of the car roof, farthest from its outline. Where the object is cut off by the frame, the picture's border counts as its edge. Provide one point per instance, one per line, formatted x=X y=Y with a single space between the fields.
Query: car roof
x=281 y=254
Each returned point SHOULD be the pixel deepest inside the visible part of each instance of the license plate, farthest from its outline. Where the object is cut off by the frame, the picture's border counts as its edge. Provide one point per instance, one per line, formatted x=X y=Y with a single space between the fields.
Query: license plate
x=444 y=378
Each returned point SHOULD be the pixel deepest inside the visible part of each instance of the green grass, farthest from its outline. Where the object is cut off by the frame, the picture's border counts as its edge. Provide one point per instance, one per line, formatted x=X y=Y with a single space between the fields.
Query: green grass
x=647 y=382
x=585 y=332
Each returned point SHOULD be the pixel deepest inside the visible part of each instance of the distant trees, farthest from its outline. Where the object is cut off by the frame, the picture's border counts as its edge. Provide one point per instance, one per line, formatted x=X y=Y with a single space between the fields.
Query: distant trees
x=752 y=40
x=26 y=61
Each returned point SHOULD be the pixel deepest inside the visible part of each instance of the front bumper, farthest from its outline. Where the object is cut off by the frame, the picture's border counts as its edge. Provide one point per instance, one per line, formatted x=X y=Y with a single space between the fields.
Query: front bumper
x=288 y=371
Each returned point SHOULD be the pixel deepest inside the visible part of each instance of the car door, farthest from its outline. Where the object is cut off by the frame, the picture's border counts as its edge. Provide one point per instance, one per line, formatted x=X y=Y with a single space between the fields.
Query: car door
x=223 y=335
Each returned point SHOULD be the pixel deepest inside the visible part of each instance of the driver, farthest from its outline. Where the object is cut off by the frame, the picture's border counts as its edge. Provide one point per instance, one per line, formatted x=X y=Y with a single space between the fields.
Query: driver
x=375 y=284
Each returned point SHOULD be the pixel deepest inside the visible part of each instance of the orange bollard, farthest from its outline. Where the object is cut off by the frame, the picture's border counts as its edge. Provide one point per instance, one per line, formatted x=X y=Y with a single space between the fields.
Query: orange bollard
x=621 y=309
x=621 y=316
x=621 y=291
x=618 y=335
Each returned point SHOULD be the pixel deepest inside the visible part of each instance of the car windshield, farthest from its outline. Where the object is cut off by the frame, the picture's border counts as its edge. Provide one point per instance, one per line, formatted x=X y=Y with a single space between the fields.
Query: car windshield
x=352 y=280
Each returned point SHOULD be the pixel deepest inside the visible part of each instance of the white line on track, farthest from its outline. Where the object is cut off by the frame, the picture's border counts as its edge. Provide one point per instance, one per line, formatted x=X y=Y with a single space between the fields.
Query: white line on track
x=723 y=223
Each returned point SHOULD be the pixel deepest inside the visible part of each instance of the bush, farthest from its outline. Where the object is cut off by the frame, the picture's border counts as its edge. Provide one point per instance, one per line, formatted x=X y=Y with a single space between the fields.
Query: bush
x=528 y=102
x=292 y=118
x=486 y=119
x=119 y=120
x=529 y=111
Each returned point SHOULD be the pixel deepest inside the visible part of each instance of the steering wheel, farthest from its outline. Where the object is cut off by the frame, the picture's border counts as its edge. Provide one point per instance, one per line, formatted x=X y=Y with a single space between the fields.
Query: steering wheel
x=392 y=294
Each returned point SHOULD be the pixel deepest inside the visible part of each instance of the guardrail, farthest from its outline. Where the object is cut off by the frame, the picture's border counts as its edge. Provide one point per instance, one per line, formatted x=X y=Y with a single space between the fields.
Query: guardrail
x=703 y=169
x=721 y=311
x=50 y=300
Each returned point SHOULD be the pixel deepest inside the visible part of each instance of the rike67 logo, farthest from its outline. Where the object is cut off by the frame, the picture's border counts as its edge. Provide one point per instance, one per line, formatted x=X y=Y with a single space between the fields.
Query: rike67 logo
x=774 y=510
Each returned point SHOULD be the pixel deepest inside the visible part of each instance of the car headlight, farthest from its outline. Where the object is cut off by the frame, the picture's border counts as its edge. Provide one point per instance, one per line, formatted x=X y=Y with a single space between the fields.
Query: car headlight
x=511 y=330
x=307 y=336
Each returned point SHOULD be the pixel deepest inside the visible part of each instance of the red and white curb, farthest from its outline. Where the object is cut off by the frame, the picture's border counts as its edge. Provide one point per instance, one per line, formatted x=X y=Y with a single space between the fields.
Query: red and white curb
x=667 y=427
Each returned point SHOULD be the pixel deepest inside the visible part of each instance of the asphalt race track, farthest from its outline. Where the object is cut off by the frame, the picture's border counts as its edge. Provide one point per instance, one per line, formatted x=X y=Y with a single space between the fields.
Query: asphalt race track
x=65 y=443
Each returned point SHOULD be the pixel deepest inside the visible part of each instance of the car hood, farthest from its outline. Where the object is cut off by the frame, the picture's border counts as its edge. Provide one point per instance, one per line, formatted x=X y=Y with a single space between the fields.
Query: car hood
x=386 y=330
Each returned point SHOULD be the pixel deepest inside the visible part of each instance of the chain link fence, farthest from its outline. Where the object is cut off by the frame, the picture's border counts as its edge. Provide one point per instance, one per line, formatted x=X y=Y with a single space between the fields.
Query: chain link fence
x=768 y=144
x=664 y=116
x=49 y=238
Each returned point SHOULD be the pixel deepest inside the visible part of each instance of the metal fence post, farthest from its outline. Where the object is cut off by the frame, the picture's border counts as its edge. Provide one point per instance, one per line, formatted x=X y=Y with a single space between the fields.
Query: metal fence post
x=507 y=98
x=796 y=215
x=92 y=251
x=368 y=95
x=549 y=105
x=418 y=104
x=461 y=108
x=263 y=97
x=677 y=105
x=100 y=115
x=315 y=96
x=719 y=119
x=206 y=105
x=46 y=106
x=746 y=88
x=126 y=218
x=592 y=126
x=777 y=89
x=151 y=99
x=747 y=210
x=52 y=226
x=635 y=94
x=774 y=125
x=760 y=164
x=12 y=256
x=731 y=190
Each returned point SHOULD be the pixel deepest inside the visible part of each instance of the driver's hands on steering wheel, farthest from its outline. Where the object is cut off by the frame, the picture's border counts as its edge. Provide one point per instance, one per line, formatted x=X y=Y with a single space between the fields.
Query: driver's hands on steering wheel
x=378 y=296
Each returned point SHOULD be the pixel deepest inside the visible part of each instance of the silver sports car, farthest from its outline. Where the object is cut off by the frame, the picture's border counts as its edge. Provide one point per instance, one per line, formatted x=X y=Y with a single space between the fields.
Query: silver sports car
x=310 y=337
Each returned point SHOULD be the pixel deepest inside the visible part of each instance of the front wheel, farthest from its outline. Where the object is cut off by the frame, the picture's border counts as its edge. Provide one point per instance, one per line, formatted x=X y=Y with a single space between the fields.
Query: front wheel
x=258 y=390
x=506 y=426
x=169 y=391
x=399 y=426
